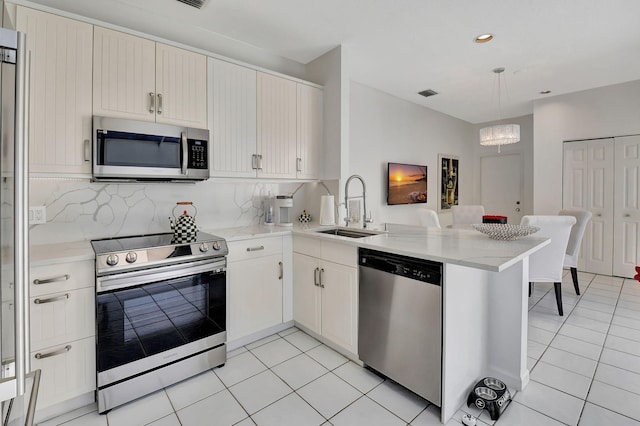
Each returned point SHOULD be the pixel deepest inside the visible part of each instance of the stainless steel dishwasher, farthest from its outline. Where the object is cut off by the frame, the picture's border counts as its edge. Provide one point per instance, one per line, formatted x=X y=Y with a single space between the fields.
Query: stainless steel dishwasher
x=400 y=320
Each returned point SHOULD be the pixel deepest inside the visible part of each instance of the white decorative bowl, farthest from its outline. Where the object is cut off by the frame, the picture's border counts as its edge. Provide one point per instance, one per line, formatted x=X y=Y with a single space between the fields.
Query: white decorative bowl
x=500 y=231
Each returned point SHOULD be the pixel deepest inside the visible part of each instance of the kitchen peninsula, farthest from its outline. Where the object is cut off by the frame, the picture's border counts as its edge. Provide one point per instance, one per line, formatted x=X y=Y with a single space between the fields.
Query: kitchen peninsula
x=484 y=298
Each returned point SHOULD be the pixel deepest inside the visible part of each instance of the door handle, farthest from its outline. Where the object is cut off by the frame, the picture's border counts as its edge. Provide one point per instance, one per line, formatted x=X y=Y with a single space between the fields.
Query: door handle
x=315 y=277
x=152 y=102
x=41 y=355
x=159 y=103
x=254 y=161
x=321 y=279
x=281 y=270
x=87 y=150
x=64 y=277
x=298 y=164
x=51 y=299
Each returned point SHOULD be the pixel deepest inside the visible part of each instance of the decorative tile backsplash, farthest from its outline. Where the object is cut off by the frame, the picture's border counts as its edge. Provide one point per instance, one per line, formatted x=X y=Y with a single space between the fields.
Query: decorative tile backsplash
x=81 y=210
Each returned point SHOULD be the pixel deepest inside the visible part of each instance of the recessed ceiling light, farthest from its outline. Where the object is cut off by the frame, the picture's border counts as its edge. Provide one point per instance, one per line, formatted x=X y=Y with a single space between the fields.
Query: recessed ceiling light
x=483 y=38
x=545 y=92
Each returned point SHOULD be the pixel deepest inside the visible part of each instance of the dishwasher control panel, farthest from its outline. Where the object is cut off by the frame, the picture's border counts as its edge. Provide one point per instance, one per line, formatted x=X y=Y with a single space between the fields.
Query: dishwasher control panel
x=410 y=267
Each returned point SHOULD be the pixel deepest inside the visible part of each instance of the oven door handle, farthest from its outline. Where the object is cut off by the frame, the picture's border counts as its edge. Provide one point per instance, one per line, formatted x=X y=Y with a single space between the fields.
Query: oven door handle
x=129 y=279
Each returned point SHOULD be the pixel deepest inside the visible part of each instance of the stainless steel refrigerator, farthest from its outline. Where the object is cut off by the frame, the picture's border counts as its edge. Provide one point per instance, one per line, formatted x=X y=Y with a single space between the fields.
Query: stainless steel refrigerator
x=18 y=385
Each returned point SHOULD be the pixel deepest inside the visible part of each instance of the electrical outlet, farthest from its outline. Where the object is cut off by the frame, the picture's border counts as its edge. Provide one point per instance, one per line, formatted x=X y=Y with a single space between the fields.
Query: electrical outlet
x=37 y=215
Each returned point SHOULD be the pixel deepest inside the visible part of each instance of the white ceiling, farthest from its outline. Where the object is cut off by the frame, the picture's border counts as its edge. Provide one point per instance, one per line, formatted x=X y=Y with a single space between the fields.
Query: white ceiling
x=405 y=46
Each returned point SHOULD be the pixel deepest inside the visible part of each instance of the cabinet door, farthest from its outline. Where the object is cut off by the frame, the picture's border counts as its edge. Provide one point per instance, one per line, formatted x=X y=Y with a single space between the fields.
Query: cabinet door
x=255 y=295
x=626 y=228
x=60 y=91
x=232 y=119
x=123 y=75
x=340 y=305
x=306 y=295
x=62 y=317
x=181 y=87
x=277 y=114
x=309 y=132
x=68 y=371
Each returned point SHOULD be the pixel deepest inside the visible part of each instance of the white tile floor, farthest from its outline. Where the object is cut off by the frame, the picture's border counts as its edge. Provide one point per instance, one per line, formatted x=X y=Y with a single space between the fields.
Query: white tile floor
x=585 y=370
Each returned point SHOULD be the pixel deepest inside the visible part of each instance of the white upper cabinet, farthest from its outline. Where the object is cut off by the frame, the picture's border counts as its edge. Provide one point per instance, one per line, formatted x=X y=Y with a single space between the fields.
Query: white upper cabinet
x=309 y=132
x=60 y=51
x=140 y=79
x=232 y=119
x=277 y=127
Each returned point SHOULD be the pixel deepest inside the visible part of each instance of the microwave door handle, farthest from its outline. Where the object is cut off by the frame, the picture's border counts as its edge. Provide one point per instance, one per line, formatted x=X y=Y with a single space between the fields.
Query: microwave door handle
x=185 y=152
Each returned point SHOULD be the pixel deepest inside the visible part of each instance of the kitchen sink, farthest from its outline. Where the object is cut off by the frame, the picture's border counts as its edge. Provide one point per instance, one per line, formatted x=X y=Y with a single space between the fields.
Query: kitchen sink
x=347 y=232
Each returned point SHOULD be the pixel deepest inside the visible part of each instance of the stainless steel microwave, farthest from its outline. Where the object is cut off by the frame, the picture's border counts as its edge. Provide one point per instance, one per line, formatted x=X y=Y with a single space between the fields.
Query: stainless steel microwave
x=130 y=150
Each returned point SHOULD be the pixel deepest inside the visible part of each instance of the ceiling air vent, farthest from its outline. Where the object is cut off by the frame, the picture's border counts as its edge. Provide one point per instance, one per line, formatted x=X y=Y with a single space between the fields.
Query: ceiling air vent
x=195 y=3
x=427 y=93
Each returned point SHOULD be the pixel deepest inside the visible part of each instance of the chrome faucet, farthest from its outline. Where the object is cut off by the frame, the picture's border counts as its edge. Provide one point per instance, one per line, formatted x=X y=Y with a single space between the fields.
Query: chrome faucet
x=347 y=219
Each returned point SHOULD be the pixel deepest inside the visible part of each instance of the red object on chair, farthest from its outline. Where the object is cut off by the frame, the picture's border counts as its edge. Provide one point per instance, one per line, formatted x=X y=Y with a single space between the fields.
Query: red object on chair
x=494 y=219
x=637 y=277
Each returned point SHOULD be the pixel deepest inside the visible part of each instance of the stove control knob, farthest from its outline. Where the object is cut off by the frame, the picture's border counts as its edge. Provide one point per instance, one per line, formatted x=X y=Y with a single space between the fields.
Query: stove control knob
x=216 y=245
x=131 y=257
x=204 y=247
x=112 y=260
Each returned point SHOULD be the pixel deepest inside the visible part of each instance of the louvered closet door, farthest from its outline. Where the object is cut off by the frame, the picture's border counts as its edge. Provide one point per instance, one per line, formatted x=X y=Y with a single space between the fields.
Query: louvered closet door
x=626 y=234
x=277 y=116
x=588 y=183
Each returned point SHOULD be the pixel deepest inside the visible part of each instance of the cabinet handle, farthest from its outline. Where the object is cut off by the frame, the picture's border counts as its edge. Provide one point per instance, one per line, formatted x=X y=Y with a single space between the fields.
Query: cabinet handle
x=259 y=161
x=627 y=215
x=87 y=150
x=64 y=350
x=315 y=277
x=51 y=299
x=281 y=270
x=255 y=248
x=321 y=278
x=152 y=102
x=254 y=162
x=64 y=277
x=159 y=103
x=298 y=164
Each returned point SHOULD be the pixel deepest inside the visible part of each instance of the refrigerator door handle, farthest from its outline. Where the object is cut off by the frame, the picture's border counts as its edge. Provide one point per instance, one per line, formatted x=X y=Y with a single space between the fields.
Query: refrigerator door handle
x=21 y=207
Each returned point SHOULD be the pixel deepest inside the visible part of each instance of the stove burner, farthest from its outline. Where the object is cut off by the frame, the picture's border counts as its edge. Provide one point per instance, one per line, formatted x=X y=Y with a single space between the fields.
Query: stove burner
x=119 y=254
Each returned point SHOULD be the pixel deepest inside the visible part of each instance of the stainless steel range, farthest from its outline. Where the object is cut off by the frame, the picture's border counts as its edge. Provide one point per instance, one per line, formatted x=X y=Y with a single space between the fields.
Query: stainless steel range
x=161 y=310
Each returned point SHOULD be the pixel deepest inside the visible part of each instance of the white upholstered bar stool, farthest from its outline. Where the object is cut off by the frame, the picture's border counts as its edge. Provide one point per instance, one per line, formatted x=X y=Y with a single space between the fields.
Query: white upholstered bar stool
x=467 y=215
x=429 y=218
x=546 y=264
x=575 y=240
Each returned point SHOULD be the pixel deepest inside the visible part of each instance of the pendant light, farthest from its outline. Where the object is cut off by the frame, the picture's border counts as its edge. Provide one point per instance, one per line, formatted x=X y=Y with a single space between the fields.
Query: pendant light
x=500 y=134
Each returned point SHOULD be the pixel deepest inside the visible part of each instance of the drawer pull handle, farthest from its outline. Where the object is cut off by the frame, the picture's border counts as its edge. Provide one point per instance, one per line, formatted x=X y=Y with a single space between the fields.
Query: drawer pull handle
x=255 y=248
x=322 y=278
x=64 y=277
x=315 y=277
x=281 y=270
x=51 y=299
x=64 y=350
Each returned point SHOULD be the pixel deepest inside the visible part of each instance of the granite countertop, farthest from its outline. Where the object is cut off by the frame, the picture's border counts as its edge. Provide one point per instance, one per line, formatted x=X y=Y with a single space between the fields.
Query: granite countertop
x=455 y=246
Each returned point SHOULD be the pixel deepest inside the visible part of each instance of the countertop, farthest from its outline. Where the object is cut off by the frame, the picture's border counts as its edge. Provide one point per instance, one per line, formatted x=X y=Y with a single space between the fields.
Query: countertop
x=455 y=246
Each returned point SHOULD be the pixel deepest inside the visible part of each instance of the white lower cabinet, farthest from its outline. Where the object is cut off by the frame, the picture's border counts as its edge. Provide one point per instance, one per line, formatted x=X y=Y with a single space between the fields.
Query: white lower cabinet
x=68 y=371
x=255 y=273
x=62 y=325
x=325 y=290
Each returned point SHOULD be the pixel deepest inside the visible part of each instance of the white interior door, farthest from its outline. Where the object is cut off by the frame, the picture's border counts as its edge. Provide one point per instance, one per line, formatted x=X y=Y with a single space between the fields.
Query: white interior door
x=588 y=185
x=501 y=186
x=626 y=229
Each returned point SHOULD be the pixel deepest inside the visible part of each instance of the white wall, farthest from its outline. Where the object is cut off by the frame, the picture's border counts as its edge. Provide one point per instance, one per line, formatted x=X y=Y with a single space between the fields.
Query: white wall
x=385 y=129
x=606 y=111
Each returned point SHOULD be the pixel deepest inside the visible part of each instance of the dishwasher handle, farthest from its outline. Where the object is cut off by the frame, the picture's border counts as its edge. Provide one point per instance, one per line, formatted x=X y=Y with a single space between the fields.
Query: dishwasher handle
x=417 y=269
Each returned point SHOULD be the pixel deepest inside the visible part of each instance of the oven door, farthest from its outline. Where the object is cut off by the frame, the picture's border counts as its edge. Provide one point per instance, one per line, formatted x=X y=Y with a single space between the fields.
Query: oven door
x=147 y=319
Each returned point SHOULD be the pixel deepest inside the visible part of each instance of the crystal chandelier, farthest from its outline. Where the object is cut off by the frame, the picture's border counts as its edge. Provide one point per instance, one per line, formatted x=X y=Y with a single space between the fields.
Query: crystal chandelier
x=500 y=134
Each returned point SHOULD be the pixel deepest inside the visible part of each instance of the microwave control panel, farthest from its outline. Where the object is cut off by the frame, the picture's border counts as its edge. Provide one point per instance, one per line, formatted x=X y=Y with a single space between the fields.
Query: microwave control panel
x=198 y=155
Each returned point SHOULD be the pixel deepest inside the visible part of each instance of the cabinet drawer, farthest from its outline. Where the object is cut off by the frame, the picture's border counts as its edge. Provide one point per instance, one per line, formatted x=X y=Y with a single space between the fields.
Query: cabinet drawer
x=254 y=248
x=68 y=371
x=306 y=245
x=61 y=277
x=62 y=317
